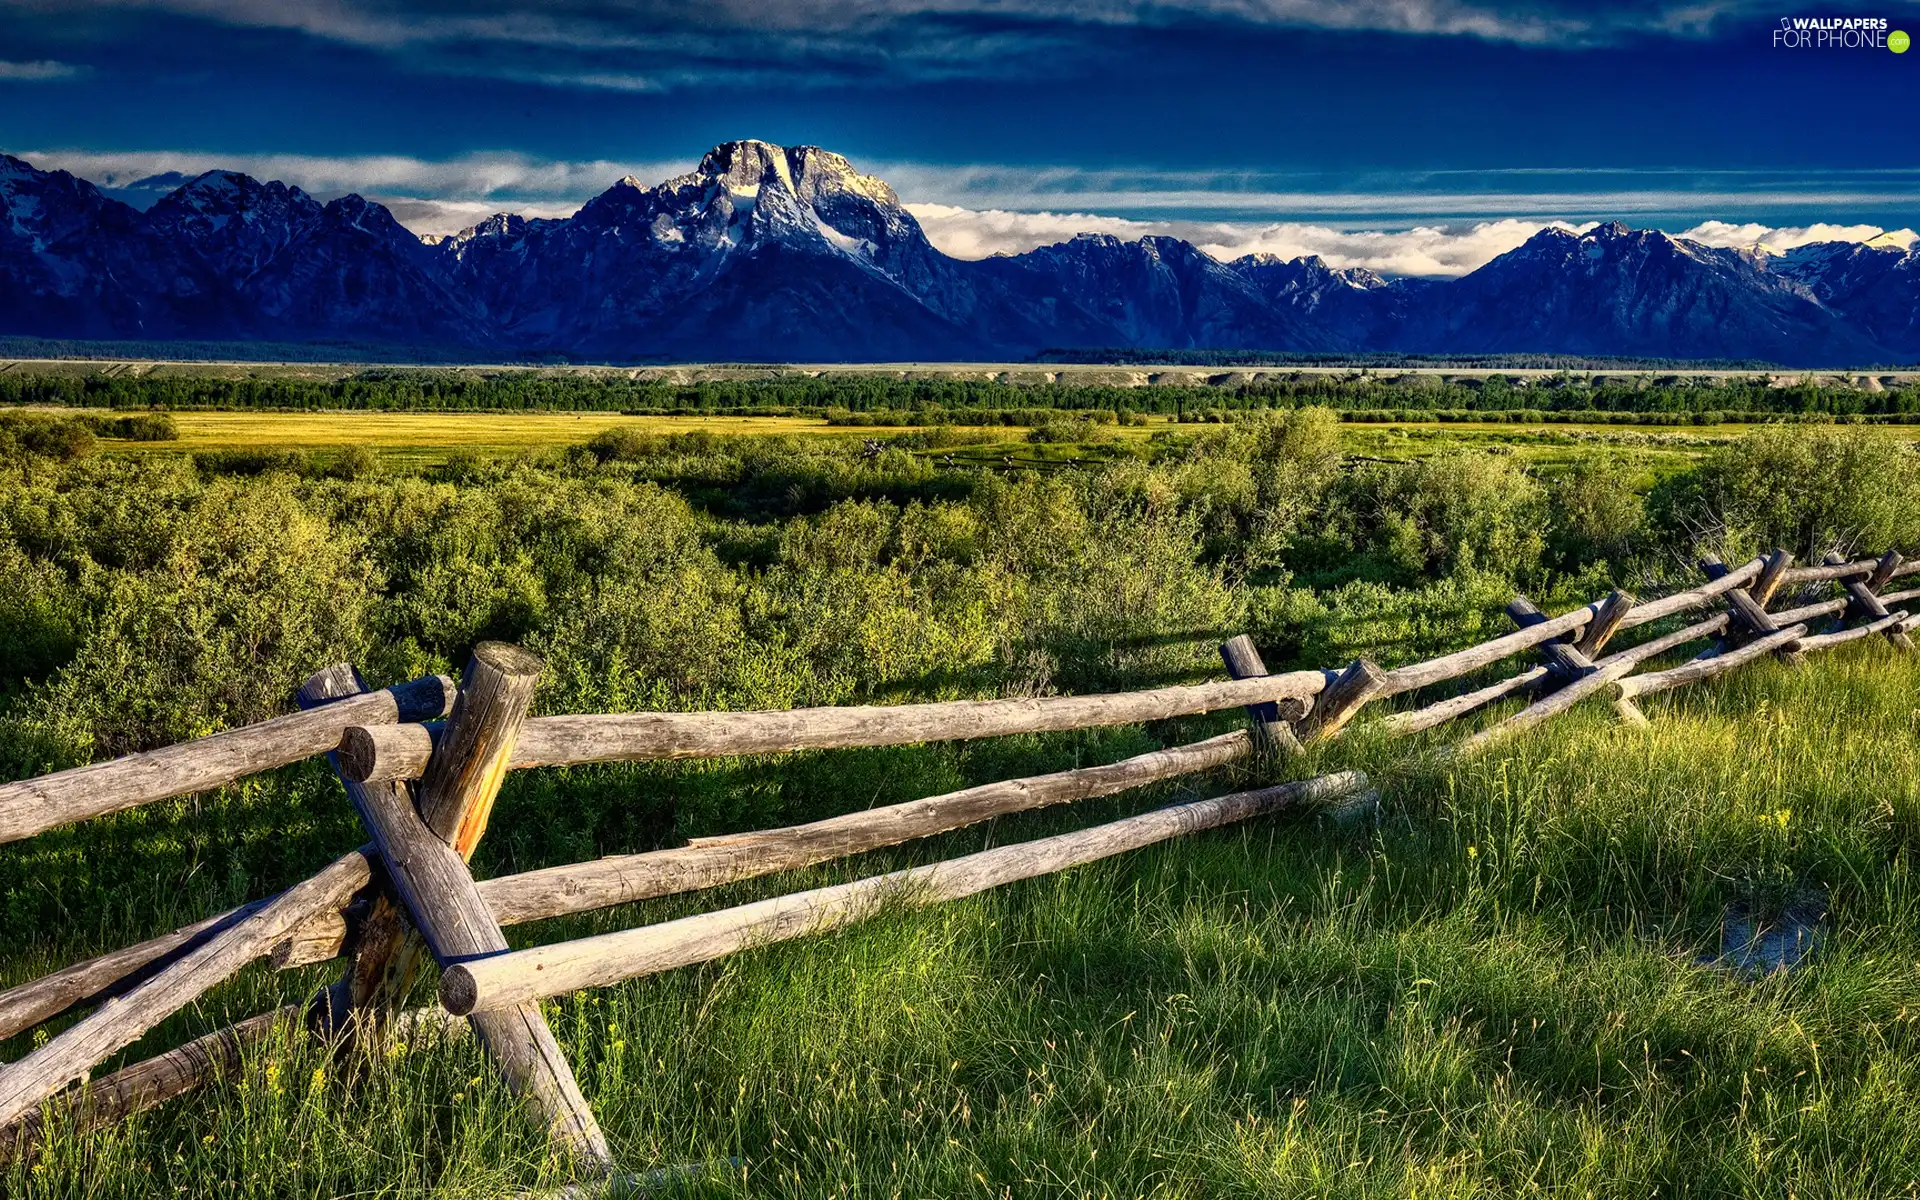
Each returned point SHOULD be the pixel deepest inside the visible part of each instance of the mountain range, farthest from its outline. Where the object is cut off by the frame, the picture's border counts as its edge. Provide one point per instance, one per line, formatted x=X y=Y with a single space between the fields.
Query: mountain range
x=770 y=253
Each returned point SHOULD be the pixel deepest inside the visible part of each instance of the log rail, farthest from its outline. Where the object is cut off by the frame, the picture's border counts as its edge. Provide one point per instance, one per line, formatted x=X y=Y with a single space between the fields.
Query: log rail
x=424 y=790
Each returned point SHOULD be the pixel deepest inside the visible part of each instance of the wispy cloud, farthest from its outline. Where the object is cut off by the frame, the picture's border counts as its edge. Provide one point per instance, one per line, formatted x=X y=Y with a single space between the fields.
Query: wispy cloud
x=622 y=22
x=1423 y=250
x=649 y=45
x=1622 y=192
x=658 y=45
x=40 y=71
x=438 y=217
x=982 y=233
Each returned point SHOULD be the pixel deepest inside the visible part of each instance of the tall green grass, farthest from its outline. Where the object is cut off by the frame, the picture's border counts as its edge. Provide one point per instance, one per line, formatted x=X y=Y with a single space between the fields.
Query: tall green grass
x=1497 y=989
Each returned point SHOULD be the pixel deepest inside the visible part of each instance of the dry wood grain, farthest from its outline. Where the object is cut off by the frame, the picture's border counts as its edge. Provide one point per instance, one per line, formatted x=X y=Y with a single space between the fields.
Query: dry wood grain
x=1771 y=576
x=1707 y=668
x=652 y=736
x=1865 y=606
x=1606 y=670
x=425 y=846
x=1605 y=623
x=1415 y=720
x=580 y=887
x=1892 y=621
x=520 y=977
x=1342 y=700
x=1243 y=661
x=1834 y=568
x=35 y=805
x=623 y=879
x=1807 y=612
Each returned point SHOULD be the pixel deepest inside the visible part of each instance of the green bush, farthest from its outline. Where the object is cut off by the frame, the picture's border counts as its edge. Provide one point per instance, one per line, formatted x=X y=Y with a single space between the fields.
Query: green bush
x=146 y=427
x=1065 y=429
x=623 y=442
x=1809 y=490
x=1597 y=512
x=767 y=571
x=1436 y=516
x=59 y=439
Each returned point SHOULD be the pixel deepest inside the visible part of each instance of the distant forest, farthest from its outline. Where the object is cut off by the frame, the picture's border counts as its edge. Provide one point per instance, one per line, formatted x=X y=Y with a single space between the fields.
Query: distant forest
x=1479 y=362
x=874 y=399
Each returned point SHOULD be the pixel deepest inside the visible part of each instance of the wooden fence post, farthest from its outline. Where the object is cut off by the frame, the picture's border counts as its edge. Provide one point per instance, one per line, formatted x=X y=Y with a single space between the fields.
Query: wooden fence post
x=1883 y=570
x=1272 y=732
x=1864 y=605
x=425 y=846
x=1613 y=610
x=381 y=968
x=1751 y=621
x=1771 y=577
x=1571 y=664
x=1343 y=697
x=1566 y=661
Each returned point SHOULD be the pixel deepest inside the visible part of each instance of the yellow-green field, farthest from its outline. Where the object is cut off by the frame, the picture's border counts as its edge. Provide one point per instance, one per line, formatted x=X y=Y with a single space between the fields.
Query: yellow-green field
x=444 y=431
x=431 y=436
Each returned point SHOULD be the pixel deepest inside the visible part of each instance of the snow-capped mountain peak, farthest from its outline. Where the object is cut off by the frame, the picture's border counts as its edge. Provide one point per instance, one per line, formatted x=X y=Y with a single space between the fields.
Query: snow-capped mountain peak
x=748 y=195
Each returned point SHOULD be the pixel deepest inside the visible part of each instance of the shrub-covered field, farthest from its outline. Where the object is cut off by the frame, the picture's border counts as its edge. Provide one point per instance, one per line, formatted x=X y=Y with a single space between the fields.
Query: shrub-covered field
x=962 y=395
x=1495 y=989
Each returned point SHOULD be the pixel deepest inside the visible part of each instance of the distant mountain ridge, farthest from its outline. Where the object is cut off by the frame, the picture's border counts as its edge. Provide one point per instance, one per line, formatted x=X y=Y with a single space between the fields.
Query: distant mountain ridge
x=771 y=253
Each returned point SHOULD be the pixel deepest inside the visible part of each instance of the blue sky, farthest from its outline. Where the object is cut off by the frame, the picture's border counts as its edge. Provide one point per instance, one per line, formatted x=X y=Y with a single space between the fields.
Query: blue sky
x=1414 y=135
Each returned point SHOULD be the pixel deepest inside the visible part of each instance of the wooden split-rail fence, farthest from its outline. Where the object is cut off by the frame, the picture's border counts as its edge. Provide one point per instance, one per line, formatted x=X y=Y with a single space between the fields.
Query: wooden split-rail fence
x=422 y=762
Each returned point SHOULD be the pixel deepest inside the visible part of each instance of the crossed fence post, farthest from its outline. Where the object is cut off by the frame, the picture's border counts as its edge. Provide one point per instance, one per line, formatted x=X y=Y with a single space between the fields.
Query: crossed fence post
x=1283 y=727
x=424 y=835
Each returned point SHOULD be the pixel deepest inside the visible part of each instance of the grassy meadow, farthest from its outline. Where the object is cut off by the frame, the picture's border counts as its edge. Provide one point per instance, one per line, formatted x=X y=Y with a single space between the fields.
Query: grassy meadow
x=427 y=439
x=1514 y=980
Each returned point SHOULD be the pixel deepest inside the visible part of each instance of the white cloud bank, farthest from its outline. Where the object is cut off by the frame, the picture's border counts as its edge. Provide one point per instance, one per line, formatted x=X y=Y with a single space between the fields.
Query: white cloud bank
x=1421 y=250
x=1722 y=233
x=1431 y=250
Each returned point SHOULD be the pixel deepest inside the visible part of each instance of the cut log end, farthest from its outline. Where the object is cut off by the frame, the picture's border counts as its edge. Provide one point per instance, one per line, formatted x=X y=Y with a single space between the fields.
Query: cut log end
x=458 y=991
x=509 y=660
x=383 y=753
x=1342 y=699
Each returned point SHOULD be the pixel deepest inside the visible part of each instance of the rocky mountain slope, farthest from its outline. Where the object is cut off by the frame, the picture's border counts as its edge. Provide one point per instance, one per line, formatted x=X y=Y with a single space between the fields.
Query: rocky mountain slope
x=766 y=253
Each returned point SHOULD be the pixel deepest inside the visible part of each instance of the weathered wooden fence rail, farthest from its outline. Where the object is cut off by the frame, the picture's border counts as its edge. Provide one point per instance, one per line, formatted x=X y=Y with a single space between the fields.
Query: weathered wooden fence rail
x=424 y=789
